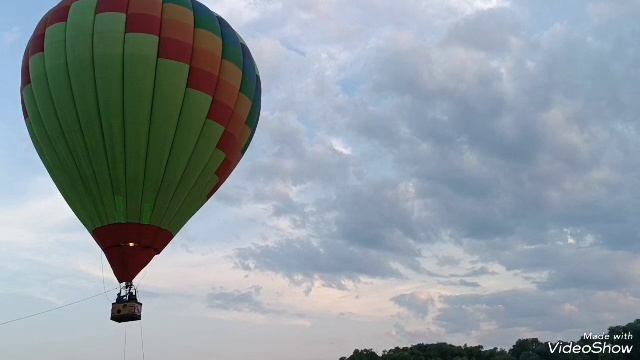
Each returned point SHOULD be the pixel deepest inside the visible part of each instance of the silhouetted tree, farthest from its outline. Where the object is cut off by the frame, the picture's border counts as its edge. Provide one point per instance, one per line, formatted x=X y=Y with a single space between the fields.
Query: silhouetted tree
x=524 y=346
x=366 y=354
x=523 y=349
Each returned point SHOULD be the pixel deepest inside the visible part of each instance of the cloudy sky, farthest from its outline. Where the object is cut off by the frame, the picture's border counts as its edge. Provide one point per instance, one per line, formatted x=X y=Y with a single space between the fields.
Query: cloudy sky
x=463 y=171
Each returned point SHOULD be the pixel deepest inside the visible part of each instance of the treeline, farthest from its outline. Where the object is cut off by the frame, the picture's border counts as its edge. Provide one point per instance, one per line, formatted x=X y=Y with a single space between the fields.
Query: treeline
x=619 y=342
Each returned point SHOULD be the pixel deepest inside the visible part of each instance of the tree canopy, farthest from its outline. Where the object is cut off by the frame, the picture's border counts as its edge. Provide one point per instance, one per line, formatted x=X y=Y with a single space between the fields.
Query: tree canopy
x=522 y=349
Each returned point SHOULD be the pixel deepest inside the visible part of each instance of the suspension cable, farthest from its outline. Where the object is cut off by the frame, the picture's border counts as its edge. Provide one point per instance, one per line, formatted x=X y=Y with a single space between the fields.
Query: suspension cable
x=142 y=340
x=124 y=351
x=55 y=308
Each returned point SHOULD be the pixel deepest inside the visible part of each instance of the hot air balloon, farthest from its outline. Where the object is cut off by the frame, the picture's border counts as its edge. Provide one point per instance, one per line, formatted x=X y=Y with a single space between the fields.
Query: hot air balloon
x=139 y=110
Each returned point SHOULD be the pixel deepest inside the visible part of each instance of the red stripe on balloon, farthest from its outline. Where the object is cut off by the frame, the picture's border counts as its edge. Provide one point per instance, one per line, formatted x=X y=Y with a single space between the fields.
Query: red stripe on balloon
x=143 y=24
x=34 y=46
x=224 y=171
x=228 y=144
x=25 y=72
x=59 y=15
x=37 y=39
x=220 y=113
x=37 y=45
x=176 y=50
x=202 y=80
x=112 y=6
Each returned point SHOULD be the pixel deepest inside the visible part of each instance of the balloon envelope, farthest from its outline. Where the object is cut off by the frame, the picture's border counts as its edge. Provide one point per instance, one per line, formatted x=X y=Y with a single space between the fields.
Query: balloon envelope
x=139 y=110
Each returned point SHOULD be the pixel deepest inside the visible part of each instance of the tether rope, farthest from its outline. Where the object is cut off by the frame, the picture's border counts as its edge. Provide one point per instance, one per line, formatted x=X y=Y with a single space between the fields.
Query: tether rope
x=124 y=351
x=55 y=308
x=104 y=285
x=142 y=340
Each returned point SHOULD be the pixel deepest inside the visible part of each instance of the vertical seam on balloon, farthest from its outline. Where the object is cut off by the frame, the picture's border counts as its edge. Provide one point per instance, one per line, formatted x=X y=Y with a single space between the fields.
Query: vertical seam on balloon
x=83 y=144
x=234 y=33
x=220 y=179
x=73 y=158
x=181 y=179
x=164 y=168
x=124 y=111
x=104 y=139
x=48 y=162
x=140 y=199
x=40 y=149
x=63 y=186
x=153 y=91
x=100 y=200
x=124 y=127
x=29 y=118
x=256 y=80
x=176 y=213
x=252 y=98
x=244 y=60
x=64 y=142
x=164 y=172
x=237 y=102
x=88 y=219
x=257 y=106
x=63 y=165
x=173 y=216
x=204 y=123
x=118 y=184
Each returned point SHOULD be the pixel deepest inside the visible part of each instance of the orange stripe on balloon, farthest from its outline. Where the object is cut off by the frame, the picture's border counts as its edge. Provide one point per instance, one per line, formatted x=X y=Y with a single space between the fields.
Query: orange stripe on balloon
x=243 y=107
x=208 y=40
x=178 y=30
x=244 y=135
x=206 y=59
x=177 y=12
x=236 y=124
x=227 y=93
x=176 y=34
x=231 y=73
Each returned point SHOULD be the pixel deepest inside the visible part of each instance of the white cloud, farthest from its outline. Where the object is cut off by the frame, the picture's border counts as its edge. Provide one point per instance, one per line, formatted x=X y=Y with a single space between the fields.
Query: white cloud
x=12 y=35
